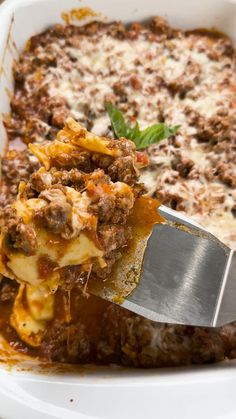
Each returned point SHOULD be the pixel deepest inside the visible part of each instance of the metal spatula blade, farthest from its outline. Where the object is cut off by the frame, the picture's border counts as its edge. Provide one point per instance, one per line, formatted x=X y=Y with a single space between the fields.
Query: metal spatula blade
x=188 y=276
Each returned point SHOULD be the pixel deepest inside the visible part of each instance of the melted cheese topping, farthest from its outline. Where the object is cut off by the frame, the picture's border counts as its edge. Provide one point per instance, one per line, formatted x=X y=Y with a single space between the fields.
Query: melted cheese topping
x=110 y=60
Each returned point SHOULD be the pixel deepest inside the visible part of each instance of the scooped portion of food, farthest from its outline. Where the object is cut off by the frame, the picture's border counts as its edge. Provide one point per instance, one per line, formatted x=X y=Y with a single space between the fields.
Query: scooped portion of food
x=70 y=222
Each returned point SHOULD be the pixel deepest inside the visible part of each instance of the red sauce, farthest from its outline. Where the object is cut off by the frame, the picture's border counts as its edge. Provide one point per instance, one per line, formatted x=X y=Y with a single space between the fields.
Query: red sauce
x=210 y=33
x=126 y=271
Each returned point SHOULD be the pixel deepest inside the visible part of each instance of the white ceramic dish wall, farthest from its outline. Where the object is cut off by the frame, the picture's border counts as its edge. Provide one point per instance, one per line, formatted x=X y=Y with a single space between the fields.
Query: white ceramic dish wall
x=186 y=393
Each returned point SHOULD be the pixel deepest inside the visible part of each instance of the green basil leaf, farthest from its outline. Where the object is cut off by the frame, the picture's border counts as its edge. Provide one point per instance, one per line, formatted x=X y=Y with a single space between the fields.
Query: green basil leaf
x=152 y=135
x=142 y=138
x=117 y=121
x=173 y=130
x=133 y=133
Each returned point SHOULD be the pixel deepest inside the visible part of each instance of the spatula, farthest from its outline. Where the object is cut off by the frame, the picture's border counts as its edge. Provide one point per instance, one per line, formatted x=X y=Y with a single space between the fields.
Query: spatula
x=187 y=277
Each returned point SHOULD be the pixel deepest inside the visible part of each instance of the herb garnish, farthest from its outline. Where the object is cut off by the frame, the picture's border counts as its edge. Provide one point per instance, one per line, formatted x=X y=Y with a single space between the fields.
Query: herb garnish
x=142 y=138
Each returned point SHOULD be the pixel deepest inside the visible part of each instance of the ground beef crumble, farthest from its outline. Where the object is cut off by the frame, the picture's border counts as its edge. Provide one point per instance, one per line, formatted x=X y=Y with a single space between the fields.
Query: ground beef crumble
x=8 y=290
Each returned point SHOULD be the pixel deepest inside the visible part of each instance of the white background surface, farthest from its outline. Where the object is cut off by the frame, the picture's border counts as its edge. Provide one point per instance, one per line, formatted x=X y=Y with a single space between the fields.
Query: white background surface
x=189 y=393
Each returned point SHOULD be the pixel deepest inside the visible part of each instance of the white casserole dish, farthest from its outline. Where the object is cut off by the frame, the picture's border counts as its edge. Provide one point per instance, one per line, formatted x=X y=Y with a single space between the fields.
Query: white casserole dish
x=206 y=392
